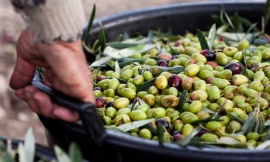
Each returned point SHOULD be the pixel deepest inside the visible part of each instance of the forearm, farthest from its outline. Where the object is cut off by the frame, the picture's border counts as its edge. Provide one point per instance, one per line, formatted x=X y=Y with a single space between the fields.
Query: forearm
x=52 y=20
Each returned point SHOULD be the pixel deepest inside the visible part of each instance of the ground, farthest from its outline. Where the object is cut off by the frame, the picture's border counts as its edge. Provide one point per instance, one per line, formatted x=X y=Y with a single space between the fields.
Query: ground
x=15 y=116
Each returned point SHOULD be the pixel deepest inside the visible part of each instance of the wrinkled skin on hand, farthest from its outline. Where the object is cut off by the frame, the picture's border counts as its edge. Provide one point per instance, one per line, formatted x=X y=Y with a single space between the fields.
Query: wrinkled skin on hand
x=65 y=70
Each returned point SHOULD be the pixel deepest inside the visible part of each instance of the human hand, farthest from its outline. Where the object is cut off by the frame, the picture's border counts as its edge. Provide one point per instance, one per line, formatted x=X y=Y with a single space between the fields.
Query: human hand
x=65 y=70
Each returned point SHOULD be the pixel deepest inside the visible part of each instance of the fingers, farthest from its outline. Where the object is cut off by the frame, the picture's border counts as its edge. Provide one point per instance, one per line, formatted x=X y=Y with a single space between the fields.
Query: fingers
x=41 y=103
x=22 y=75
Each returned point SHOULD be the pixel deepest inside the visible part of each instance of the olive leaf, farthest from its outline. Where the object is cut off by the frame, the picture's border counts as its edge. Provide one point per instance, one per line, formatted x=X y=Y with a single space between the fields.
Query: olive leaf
x=227 y=141
x=61 y=155
x=122 y=81
x=263 y=146
x=204 y=121
x=250 y=28
x=237 y=23
x=130 y=61
x=187 y=139
x=95 y=81
x=90 y=23
x=207 y=110
x=202 y=40
x=100 y=61
x=259 y=41
x=121 y=45
x=136 y=124
x=160 y=133
x=117 y=67
x=126 y=52
x=252 y=125
x=150 y=36
x=75 y=153
x=5 y=156
x=182 y=101
x=266 y=13
x=175 y=69
x=211 y=36
x=267 y=123
x=22 y=153
x=125 y=37
x=247 y=124
x=146 y=85
x=235 y=117
x=101 y=41
x=151 y=128
x=29 y=145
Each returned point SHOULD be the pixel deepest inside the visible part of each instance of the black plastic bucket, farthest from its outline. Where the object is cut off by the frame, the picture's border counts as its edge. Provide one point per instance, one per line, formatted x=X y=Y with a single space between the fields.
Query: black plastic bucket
x=121 y=147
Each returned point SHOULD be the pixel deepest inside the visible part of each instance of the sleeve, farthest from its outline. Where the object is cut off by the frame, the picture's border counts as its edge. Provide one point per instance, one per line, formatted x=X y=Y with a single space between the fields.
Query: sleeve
x=52 y=20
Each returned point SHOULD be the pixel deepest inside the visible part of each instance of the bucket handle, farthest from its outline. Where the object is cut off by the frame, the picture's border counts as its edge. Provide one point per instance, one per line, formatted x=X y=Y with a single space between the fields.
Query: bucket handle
x=87 y=111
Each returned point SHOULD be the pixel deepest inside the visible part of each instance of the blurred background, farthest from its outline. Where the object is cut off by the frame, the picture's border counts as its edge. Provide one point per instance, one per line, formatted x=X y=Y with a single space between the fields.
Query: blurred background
x=15 y=116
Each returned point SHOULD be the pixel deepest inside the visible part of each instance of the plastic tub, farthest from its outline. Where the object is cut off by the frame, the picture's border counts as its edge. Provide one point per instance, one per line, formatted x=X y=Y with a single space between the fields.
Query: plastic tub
x=121 y=147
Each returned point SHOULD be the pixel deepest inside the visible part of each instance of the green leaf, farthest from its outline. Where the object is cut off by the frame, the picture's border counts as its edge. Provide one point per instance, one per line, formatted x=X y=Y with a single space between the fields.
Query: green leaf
x=95 y=81
x=101 y=42
x=247 y=123
x=100 y=61
x=235 y=117
x=228 y=141
x=228 y=18
x=4 y=155
x=182 y=101
x=22 y=152
x=245 y=59
x=29 y=145
x=90 y=23
x=122 y=81
x=160 y=132
x=130 y=61
x=263 y=146
x=146 y=85
x=61 y=155
x=187 y=139
x=150 y=36
x=202 y=40
x=204 y=121
x=211 y=36
x=252 y=125
x=117 y=67
x=151 y=128
x=125 y=37
x=207 y=110
x=140 y=71
x=237 y=23
x=129 y=51
x=250 y=28
x=136 y=124
x=267 y=123
x=75 y=153
x=266 y=13
x=121 y=45
x=175 y=69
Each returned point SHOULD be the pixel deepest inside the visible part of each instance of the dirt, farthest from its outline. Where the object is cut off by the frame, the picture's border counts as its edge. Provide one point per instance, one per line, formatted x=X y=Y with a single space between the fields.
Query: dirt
x=15 y=115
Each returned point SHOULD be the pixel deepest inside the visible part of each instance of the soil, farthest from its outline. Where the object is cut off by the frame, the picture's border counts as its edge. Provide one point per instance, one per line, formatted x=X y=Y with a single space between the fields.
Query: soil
x=15 y=115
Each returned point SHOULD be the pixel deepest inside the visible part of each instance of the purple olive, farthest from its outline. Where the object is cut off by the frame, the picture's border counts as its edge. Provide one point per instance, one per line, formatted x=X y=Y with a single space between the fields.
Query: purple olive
x=175 y=81
x=203 y=131
x=109 y=104
x=164 y=122
x=210 y=55
x=101 y=77
x=234 y=67
x=177 y=135
x=100 y=102
x=162 y=63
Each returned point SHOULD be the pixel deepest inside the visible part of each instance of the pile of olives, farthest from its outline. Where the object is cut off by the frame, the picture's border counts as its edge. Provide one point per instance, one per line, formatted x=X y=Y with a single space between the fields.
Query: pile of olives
x=227 y=83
